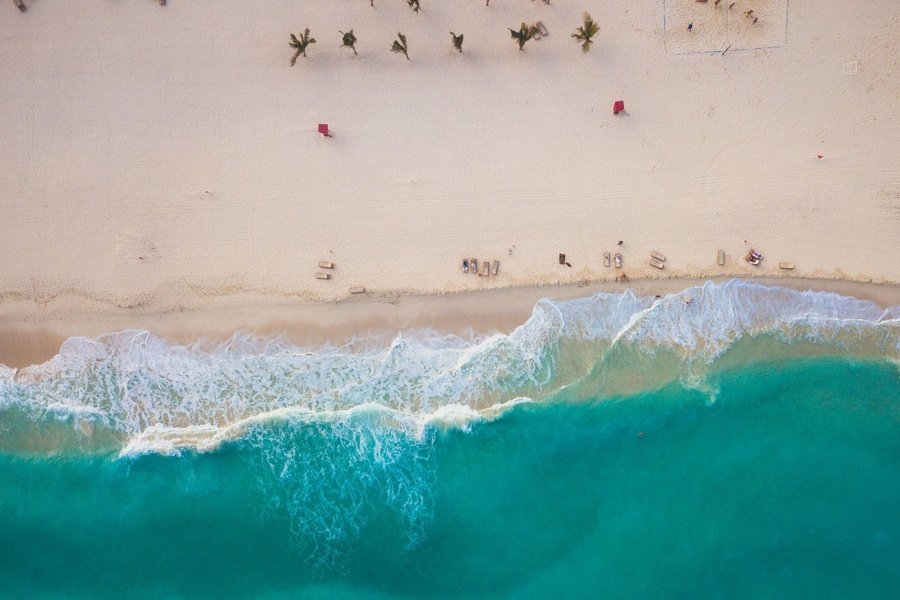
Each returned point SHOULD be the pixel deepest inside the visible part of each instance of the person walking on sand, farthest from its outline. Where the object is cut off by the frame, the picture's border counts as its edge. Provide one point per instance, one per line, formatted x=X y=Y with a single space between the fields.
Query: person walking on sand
x=690 y=26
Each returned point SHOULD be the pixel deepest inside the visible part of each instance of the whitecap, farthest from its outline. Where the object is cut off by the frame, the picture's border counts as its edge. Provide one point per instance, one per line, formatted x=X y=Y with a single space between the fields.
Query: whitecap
x=162 y=397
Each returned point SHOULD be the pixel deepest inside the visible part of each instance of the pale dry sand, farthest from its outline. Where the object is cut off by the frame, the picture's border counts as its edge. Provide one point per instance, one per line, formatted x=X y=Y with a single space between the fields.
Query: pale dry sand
x=165 y=159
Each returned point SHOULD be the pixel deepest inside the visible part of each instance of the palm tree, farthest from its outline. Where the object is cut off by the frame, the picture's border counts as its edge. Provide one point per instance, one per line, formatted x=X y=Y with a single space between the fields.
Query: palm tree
x=301 y=44
x=349 y=40
x=399 y=45
x=586 y=32
x=457 y=41
x=413 y=4
x=525 y=33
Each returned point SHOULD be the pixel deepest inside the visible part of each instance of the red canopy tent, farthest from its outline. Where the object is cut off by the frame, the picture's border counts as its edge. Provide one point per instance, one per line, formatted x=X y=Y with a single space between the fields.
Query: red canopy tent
x=618 y=106
x=323 y=129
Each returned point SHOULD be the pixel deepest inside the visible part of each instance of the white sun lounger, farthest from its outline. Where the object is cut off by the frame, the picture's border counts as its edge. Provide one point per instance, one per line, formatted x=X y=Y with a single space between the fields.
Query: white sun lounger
x=495 y=268
x=720 y=257
x=321 y=275
x=542 y=29
x=787 y=266
x=485 y=268
x=357 y=289
x=618 y=260
x=607 y=259
x=655 y=262
x=324 y=264
x=658 y=256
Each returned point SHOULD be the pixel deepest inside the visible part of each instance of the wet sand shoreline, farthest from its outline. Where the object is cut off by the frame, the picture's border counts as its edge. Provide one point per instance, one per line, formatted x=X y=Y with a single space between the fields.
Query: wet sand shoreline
x=31 y=333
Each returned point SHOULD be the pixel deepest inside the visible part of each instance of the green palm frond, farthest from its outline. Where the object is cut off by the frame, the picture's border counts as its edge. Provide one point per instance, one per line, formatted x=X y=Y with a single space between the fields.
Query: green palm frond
x=524 y=33
x=349 y=40
x=301 y=44
x=457 y=41
x=399 y=45
x=585 y=34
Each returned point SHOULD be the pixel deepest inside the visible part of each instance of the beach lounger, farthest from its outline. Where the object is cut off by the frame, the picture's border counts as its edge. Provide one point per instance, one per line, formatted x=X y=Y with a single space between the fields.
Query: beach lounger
x=465 y=265
x=607 y=259
x=357 y=289
x=658 y=256
x=618 y=259
x=324 y=264
x=321 y=275
x=655 y=262
x=473 y=265
x=485 y=268
x=21 y=5
x=787 y=266
x=720 y=257
x=495 y=269
x=542 y=29
x=753 y=257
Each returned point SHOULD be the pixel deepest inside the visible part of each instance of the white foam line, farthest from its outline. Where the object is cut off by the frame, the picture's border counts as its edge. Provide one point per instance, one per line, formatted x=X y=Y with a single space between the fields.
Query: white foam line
x=152 y=391
x=171 y=441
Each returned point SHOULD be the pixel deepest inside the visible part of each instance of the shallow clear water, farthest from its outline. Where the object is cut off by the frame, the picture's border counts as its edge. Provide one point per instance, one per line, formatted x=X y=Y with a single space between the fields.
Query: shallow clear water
x=771 y=469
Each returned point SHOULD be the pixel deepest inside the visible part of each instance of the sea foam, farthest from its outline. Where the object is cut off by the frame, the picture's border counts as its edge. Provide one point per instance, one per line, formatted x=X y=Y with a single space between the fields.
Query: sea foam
x=163 y=398
x=338 y=435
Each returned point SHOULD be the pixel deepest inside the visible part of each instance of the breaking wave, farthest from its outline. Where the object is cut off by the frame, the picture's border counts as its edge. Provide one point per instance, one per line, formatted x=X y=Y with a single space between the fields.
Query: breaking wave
x=159 y=397
x=333 y=432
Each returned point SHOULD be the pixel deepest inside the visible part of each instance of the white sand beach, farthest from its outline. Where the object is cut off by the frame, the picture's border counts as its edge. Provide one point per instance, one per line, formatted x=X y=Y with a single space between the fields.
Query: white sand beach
x=160 y=158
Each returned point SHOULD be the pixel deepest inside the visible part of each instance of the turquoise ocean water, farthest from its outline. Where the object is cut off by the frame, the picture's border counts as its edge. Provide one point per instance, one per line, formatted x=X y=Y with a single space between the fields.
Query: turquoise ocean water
x=743 y=445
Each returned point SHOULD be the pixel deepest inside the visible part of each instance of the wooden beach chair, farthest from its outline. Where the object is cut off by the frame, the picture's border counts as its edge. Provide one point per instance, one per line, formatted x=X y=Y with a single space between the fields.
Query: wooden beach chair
x=787 y=266
x=21 y=5
x=321 y=275
x=607 y=259
x=324 y=264
x=357 y=289
x=720 y=257
x=657 y=256
x=655 y=262
x=495 y=269
x=618 y=260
